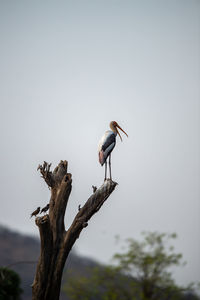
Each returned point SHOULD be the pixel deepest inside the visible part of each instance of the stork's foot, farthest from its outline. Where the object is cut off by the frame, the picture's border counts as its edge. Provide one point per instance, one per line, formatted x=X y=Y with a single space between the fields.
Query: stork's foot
x=108 y=179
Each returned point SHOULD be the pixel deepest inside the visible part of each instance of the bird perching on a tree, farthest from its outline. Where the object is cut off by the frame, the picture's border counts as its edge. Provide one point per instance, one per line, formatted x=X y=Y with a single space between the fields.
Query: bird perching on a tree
x=57 y=240
x=35 y=212
x=45 y=209
x=107 y=144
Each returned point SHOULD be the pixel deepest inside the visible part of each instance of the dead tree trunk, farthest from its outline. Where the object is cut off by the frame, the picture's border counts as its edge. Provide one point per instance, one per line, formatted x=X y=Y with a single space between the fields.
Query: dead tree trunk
x=56 y=242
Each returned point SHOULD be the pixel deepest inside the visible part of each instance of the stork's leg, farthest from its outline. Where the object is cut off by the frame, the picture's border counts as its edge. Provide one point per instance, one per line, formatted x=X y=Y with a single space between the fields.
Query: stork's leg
x=110 y=166
x=105 y=170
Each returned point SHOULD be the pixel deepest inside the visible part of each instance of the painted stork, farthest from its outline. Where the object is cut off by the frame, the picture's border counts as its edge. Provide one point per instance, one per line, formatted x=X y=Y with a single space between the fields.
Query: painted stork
x=107 y=144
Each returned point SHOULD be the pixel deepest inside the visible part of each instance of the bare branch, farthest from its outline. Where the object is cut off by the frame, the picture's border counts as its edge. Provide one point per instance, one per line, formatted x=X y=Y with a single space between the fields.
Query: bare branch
x=46 y=174
x=60 y=171
x=92 y=205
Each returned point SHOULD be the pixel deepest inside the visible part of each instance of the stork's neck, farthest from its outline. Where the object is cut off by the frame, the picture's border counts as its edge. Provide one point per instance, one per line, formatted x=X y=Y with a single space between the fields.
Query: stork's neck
x=113 y=128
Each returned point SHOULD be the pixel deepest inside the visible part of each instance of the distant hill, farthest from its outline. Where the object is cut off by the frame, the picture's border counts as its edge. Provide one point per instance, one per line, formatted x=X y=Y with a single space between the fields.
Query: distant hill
x=20 y=253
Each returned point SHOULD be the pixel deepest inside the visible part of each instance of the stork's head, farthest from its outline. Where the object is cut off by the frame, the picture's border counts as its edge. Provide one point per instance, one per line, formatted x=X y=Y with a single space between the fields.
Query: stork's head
x=114 y=125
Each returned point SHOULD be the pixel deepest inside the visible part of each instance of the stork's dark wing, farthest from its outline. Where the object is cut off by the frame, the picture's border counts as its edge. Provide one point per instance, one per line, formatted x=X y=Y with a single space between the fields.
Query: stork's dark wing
x=109 y=140
x=106 y=145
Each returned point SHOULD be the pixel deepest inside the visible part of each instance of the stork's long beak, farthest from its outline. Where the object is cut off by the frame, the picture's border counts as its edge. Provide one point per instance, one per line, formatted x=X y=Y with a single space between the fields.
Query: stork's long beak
x=121 y=130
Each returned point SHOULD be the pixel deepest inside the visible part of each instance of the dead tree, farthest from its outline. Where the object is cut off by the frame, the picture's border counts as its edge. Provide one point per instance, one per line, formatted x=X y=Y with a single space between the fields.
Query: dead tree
x=56 y=242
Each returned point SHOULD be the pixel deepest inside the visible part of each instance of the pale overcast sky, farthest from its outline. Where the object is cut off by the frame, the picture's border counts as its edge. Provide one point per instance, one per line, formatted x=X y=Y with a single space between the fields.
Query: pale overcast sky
x=68 y=68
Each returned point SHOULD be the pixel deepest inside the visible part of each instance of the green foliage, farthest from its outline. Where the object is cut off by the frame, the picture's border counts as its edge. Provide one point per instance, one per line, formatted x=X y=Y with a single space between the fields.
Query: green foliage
x=9 y=285
x=150 y=259
x=141 y=272
x=103 y=283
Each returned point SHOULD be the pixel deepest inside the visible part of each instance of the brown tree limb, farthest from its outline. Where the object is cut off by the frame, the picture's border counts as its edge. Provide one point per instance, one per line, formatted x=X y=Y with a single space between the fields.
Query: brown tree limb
x=56 y=242
x=46 y=174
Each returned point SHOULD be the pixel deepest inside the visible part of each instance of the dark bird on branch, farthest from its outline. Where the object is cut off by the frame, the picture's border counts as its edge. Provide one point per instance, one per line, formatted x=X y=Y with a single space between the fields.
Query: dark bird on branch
x=94 y=188
x=107 y=144
x=44 y=209
x=35 y=212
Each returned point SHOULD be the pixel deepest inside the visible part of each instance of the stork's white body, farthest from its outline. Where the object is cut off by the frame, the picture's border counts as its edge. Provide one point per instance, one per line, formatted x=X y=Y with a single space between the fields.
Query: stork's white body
x=106 y=145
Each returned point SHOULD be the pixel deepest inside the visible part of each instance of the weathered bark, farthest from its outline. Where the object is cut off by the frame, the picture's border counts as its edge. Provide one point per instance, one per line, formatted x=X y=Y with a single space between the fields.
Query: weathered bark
x=56 y=242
